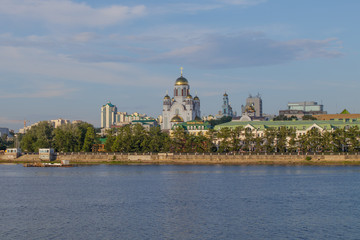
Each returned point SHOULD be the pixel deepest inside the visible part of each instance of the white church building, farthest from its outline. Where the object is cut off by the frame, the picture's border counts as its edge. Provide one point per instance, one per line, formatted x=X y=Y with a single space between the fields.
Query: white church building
x=182 y=107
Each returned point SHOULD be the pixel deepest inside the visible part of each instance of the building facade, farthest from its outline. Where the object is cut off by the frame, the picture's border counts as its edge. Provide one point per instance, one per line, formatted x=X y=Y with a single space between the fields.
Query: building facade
x=182 y=107
x=4 y=131
x=253 y=107
x=300 y=109
x=108 y=114
x=259 y=128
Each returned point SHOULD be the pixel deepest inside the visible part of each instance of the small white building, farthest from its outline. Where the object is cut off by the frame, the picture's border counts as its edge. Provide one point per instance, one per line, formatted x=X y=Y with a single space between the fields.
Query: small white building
x=46 y=154
x=12 y=153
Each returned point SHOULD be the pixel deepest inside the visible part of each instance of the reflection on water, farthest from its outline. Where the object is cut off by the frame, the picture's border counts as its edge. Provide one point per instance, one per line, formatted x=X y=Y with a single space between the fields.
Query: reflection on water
x=180 y=202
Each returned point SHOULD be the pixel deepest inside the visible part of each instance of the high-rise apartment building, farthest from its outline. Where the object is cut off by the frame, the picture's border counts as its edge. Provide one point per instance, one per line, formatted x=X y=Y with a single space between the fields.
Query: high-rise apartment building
x=108 y=114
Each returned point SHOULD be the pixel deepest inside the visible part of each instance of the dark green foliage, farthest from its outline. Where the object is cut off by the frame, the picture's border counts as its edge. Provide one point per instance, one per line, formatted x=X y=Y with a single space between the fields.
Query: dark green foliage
x=39 y=136
x=66 y=138
x=89 y=140
x=136 y=139
x=214 y=122
x=284 y=118
x=308 y=117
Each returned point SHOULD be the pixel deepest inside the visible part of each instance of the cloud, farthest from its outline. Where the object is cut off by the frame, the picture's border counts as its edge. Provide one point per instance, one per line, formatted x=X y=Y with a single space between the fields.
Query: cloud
x=214 y=50
x=69 y=13
x=246 y=50
x=32 y=64
x=40 y=92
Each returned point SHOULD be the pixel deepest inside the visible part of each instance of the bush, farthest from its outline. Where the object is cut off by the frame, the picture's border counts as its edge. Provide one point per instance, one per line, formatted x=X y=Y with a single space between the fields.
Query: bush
x=308 y=158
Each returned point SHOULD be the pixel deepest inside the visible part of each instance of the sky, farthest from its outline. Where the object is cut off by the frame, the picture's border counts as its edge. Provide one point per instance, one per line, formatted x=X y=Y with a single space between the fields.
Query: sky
x=67 y=58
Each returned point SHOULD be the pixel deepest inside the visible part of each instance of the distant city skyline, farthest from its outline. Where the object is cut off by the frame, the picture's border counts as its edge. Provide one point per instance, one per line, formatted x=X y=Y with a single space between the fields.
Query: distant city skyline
x=67 y=58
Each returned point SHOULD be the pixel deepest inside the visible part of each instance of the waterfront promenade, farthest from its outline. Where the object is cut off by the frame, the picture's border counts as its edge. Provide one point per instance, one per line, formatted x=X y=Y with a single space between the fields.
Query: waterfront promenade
x=192 y=158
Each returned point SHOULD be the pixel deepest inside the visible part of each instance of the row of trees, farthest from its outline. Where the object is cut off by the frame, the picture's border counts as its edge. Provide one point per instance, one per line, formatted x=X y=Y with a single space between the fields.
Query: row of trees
x=6 y=142
x=286 y=140
x=66 y=138
x=134 y=138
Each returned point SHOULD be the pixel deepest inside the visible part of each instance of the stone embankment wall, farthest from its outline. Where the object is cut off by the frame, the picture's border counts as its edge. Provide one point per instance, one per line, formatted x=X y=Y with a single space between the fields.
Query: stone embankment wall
x=168 y=158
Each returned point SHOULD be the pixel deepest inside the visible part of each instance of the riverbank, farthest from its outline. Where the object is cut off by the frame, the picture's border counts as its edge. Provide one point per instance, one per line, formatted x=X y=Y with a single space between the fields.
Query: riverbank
x=195 y=159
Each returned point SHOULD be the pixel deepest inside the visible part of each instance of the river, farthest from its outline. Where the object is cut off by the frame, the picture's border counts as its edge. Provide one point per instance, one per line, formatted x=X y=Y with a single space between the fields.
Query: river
x=180 y=202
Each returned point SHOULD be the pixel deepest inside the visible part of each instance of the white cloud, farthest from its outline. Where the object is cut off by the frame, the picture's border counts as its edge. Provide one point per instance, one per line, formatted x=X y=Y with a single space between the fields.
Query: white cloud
x=69 y=13
x=246 y=49
x=33 y=64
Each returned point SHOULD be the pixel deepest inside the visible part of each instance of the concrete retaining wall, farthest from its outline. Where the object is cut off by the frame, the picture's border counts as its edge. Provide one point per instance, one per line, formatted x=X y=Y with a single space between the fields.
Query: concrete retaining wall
x=164 y=158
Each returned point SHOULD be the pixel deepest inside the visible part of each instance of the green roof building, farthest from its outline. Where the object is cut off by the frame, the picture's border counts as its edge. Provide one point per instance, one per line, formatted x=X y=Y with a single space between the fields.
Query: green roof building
x=301 y=127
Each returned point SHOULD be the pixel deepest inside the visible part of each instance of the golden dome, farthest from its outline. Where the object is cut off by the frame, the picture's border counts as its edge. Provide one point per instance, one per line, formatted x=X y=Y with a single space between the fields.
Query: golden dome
x=167 y=97
x=196 y=98
x=225 y=94
x=177 y=118
x=250 y=109
x=189 y=96
x=181 y=81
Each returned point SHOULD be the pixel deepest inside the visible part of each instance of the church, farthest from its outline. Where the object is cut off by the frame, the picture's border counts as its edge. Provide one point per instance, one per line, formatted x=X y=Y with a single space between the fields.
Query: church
x=182 y=107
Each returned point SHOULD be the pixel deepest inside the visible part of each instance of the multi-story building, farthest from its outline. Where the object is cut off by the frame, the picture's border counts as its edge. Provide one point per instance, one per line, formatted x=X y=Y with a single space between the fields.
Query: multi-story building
x=253 y=107
x=58 y=122
x=259 y=128
x=4 y=131
x=55 y=123
x=182 y=107
x=300 y=109
x=108 y=113
x=122 y=118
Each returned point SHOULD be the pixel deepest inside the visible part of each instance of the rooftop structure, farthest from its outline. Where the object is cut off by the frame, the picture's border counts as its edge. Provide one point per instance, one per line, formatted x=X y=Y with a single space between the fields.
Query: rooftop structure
x=305 y=106
x=300 y=109
x=194 y=127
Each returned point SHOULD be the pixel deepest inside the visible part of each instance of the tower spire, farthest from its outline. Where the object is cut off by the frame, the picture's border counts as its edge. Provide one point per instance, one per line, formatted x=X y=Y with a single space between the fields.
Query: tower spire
x=181 y=70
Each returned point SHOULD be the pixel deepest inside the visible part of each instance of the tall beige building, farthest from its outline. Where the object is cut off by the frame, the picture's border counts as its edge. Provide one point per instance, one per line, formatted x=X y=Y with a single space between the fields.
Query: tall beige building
x=108 y=114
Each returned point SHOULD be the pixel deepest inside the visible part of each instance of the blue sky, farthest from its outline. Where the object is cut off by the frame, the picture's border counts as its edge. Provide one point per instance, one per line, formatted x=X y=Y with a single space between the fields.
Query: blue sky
x=66 y=58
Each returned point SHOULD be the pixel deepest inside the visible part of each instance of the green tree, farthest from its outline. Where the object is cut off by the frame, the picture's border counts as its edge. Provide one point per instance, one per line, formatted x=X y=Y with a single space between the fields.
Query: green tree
x=39 y=136
x=269 y=139
x=110 y=139
x=179 y=140
x=308 y=117
x=89 y=139
x=281 y=139
x=224 y=119
x=224 y=135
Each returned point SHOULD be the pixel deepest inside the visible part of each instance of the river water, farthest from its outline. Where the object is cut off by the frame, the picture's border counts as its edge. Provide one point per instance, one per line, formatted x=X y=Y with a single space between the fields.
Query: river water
x=180 y=202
